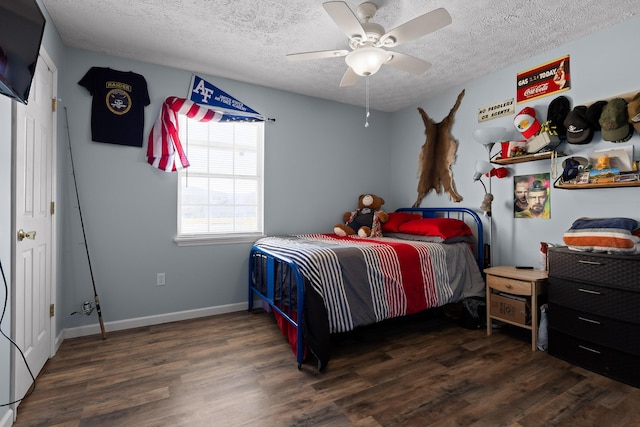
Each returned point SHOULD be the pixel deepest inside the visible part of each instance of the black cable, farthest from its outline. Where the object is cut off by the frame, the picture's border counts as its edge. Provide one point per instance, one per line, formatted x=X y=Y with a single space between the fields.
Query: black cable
x=32 y=387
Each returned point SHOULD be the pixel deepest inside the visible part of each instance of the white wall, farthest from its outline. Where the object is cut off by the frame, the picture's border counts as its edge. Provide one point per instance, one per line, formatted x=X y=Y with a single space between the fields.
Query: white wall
x=602 y=66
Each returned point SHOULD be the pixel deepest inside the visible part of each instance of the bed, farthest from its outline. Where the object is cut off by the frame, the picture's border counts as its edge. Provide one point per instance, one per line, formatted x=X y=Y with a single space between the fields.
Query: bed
x=322 y=284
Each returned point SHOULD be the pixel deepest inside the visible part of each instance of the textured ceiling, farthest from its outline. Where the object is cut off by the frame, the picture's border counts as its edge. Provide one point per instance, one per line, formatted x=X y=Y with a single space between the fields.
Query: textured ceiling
x=247 y=40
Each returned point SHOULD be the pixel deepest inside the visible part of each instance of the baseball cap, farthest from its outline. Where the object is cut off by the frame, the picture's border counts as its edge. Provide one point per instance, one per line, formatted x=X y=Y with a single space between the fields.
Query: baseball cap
x=526 y=123
x=579 y=129
x=558 y=110
x=593 y=114
x=614 y=121
x=537 y=185
x=633 y=110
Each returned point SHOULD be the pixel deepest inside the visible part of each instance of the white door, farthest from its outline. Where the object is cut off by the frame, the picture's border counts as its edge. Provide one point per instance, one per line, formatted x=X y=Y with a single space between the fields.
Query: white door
x=33 y=227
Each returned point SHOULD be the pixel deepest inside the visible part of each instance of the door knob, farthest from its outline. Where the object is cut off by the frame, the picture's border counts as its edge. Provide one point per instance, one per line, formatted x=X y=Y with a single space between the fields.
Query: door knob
x=29 y=235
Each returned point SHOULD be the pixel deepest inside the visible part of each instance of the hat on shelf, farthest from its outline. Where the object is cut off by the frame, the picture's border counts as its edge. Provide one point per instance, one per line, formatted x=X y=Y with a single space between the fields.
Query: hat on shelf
x=526 y=122
x=633 y=110
x=572 y=166
x=614 y=121
x=557 y=112
x=593 y=114
x=579 y=130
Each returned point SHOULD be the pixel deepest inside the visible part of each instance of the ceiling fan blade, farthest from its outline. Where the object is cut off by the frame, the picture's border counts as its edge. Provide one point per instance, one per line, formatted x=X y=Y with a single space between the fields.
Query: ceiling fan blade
x=408 y=63
x=349 y=78
x=417 y=27
x=320 y=54
x=345 y=19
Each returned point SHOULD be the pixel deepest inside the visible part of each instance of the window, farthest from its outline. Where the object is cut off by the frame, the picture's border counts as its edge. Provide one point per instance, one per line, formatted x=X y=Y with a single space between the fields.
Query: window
x=220 y=194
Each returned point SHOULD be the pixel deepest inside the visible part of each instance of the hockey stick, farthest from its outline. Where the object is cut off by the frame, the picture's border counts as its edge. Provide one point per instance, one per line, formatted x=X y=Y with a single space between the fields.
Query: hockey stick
x=86 y=246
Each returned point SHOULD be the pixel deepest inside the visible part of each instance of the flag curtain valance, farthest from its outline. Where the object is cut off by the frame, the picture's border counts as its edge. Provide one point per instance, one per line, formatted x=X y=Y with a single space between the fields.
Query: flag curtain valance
x=164 y=150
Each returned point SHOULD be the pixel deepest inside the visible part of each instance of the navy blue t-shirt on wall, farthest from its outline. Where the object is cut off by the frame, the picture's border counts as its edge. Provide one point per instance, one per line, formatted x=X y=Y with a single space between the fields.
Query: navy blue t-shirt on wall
x=117 y=109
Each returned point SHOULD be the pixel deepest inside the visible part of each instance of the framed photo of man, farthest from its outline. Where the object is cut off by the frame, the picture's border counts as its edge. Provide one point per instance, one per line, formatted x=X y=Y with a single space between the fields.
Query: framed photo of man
x=531 y=196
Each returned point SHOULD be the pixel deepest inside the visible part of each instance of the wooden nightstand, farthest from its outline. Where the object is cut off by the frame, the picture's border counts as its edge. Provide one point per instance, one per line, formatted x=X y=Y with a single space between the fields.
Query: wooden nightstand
x=525 y=285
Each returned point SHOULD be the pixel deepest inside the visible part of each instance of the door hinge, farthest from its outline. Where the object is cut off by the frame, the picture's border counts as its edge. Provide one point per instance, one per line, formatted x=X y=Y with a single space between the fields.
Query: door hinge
x=52 y=310
x=52 y=208
x=54 y=104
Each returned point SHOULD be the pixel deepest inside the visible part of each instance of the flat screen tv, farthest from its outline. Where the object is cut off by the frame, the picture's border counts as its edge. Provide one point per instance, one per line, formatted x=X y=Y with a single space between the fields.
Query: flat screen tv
x=21 y=30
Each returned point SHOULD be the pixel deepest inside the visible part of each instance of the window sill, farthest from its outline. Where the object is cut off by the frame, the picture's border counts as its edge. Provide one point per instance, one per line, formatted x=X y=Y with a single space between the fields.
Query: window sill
x=201 y=240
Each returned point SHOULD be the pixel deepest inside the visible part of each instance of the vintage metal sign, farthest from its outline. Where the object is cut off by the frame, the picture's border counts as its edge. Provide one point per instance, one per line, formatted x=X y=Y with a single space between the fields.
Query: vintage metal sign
x=493 y=111
x=543 y=80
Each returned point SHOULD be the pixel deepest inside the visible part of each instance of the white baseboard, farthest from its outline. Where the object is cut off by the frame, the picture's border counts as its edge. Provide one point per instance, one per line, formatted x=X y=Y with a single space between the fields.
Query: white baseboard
x=7 y=419
x=152 y=320
x=58 y=341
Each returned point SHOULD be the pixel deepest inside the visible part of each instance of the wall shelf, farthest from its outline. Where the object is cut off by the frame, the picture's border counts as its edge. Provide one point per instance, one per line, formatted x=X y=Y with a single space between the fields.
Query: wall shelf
x=626 y=96
x=526 y=158
x=567 y=186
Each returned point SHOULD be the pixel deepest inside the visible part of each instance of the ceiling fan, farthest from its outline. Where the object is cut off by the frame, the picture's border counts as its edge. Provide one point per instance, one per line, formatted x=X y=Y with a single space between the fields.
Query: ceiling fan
x=368 y=41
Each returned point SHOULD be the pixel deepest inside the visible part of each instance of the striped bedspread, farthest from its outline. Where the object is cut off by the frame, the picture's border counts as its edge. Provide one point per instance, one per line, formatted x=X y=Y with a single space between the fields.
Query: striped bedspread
x=364 y=281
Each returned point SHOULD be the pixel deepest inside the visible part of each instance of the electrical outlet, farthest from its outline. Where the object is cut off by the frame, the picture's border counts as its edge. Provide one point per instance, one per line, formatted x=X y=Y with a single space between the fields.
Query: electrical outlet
x=160 y=281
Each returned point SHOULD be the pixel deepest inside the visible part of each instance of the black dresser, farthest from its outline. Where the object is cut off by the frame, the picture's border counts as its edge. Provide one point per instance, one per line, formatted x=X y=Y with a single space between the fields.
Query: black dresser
x=594 y=312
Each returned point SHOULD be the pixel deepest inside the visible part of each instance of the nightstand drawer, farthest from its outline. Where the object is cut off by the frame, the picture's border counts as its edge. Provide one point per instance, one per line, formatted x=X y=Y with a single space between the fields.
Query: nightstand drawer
x=597 y=329
x=511 y=286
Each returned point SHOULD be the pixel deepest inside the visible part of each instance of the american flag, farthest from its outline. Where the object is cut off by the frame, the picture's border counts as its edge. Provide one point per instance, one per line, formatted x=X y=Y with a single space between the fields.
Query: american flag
x=164 y=150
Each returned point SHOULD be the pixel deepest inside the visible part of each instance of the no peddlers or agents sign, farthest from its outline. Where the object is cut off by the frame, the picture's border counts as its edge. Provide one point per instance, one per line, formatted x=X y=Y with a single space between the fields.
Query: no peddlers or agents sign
x=543 y=80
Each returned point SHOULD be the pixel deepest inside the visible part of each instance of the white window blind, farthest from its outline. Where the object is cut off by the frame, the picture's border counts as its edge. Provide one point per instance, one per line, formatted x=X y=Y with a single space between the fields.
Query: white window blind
x=220 y=194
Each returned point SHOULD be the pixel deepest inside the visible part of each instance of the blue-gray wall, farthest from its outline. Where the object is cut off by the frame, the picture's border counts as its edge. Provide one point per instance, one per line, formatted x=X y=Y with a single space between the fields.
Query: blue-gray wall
x=318 y=159
x=602 y=66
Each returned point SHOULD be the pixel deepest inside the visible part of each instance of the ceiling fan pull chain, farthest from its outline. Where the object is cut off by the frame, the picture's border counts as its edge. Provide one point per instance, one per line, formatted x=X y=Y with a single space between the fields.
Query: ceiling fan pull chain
x=366 y=118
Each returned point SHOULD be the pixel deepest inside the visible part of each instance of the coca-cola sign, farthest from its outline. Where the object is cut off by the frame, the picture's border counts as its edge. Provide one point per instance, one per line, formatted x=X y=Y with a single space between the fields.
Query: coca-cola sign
x=536 y=90
x=543 y=80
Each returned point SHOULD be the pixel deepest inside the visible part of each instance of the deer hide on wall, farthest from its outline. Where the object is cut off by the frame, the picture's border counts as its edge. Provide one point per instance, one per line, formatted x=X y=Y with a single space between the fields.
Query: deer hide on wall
x=437 y=156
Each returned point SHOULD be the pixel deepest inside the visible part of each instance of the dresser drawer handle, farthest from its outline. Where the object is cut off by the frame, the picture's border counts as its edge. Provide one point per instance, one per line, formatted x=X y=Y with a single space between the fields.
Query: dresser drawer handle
x=588 y=291
x=581 y=261
x=589 y=349
x=584 y=319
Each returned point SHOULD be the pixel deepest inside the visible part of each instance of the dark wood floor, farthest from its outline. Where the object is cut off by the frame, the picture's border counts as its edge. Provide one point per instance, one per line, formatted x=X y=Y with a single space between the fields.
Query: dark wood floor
x=237 y=369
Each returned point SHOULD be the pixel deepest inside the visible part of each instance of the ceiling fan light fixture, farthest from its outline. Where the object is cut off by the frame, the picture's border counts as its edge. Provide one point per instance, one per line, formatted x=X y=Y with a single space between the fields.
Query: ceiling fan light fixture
x=388 y=41
x=369 y=41
x=367 y=60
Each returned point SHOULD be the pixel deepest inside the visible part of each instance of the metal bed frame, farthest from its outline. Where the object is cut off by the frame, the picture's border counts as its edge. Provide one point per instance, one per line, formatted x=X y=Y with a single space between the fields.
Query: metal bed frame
x=263 y=270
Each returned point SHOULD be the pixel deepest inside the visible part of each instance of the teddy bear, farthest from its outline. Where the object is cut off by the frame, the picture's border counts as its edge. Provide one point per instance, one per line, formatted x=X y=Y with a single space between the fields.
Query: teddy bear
x=366 y=221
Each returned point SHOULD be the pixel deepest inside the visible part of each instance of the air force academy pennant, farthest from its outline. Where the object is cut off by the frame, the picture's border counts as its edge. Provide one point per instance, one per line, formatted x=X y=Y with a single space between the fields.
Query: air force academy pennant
x=204 y=93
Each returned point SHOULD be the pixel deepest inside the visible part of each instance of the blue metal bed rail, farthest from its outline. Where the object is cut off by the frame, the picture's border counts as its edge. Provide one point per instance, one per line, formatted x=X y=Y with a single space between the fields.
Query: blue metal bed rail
x=277 y=285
